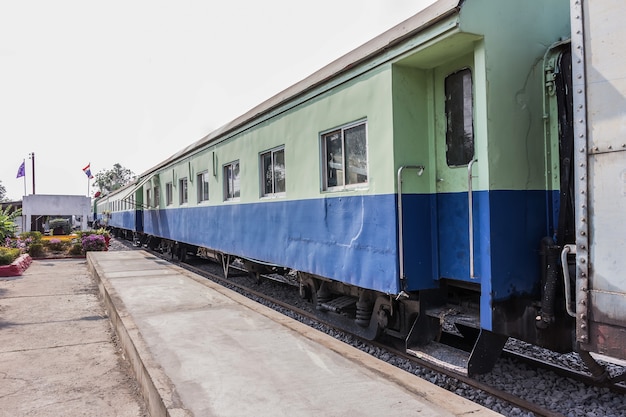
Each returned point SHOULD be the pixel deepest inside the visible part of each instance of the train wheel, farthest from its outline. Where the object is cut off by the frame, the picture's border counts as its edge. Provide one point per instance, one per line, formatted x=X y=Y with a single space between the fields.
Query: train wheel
x=255 y=276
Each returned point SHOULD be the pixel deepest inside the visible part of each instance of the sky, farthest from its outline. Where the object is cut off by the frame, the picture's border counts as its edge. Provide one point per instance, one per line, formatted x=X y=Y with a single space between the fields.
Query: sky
x=134 y=81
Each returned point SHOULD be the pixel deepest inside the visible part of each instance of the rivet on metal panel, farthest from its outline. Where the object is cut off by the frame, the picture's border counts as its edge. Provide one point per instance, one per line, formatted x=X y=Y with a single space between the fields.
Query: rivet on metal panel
x=579 y=91
x=583 y=260
x=581 y=150
x=583 y=326
x=583 y=338
x=583 y=274
x=581 y=246
x=582 y=165
x=583 y=316
x=623 y=145
x=582 y=178
x=610 y=146
x=582 y=191
x=583 y=302
x=579 y=76
x=582 y=219
x=583 y=233
x=595 y=148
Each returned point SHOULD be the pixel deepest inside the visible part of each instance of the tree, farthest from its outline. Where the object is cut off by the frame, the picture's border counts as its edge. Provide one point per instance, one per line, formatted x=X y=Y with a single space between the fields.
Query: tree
x=7 y=222
x=113 y=179
x=3 y=192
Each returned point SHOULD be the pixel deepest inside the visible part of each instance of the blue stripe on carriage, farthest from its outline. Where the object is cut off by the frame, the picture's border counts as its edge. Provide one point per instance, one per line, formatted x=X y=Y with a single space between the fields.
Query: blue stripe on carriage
x=354 y=239
x=123 y=220
x=350 y=239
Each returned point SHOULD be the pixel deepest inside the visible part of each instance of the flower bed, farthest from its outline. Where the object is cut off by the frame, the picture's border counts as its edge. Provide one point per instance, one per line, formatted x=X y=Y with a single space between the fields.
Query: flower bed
x=17 y=267
x=51 y=247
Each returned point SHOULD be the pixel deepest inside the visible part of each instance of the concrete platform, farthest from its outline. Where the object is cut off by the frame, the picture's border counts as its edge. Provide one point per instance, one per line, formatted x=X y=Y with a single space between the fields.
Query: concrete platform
x=199 y=349
x=58 y=355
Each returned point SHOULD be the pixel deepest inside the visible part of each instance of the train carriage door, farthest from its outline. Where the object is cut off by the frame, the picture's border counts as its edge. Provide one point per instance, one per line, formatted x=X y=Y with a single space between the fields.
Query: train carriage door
x=455 y=161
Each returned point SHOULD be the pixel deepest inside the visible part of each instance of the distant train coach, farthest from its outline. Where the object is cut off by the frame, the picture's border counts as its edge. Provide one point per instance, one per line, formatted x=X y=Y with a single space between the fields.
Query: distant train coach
x=458 y=178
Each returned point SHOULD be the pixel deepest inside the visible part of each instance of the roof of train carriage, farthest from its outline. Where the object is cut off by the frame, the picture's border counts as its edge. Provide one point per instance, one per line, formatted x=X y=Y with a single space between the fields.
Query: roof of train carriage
x=434 y=13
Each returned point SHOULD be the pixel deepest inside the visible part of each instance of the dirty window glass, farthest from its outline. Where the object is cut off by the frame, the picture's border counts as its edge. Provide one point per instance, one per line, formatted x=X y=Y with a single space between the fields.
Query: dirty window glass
x=231 y=181
x=459 y=117
x=273 y=172
x=356 y=155
x=183 y=196
x=169 y=198
x=203 y=186
x=345 y=156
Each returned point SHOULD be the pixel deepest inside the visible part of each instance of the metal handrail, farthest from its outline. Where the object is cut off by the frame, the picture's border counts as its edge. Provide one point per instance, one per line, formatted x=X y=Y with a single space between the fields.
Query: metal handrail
x=470 y=200
x=420 y=169
x=566 y=280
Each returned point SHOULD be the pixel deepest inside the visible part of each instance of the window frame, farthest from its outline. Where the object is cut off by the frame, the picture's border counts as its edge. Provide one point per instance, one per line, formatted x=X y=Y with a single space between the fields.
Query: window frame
x=156 y=195
x=456 y=153
x=227 y=183
x=324 y=152
x=262 y=170
x=202 y=178
x=183 y=190
x=169 y=193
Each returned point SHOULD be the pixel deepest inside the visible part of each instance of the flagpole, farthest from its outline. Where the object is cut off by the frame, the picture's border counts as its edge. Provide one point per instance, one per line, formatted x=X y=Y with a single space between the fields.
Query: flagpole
x=32 y=157
x=24 y=163
x=88 y=178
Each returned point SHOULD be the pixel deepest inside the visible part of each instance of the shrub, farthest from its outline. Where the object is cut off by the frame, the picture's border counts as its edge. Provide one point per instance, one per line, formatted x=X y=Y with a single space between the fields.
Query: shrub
x=76 y=249
x=18 y=243
x=8 y=255
x=93 y=243
x=36 y=250
x=7 y=221
x=35 y=236
x=56 y=245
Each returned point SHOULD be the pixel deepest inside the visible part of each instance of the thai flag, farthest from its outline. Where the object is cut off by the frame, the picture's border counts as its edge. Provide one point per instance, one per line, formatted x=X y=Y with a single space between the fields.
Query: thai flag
x=87 y=171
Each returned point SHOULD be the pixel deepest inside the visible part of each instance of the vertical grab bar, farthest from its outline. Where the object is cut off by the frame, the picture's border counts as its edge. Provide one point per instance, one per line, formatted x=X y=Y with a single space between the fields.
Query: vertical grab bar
x=420 y=171
x=470 y=201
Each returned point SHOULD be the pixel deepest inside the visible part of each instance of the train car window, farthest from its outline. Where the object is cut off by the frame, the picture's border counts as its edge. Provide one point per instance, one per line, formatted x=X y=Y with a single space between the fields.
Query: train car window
x=345 y=156
x=231 y=181
x=157 y=196
x=273 y=172
x=182 y=191
x=460 y=118
x=169 y=194
x=203 y=186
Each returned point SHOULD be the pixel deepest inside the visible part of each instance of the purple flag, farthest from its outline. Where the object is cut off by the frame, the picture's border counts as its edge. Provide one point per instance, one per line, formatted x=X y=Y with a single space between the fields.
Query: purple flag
x=21 y=171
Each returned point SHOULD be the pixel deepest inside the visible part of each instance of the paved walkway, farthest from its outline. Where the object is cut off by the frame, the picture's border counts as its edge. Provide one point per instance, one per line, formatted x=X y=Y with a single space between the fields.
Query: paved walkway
x=58 y=354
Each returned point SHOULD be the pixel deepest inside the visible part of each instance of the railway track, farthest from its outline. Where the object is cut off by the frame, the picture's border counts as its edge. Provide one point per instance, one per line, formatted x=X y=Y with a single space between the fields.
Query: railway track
x=243 y=283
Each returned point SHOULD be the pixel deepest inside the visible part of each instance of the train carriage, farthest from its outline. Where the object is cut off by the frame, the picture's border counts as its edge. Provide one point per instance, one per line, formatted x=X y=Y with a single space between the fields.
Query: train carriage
x=418 y=179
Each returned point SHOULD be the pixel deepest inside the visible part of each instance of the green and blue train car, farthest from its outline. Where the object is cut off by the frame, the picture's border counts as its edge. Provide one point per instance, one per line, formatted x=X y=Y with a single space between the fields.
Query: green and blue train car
x=410 y=182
